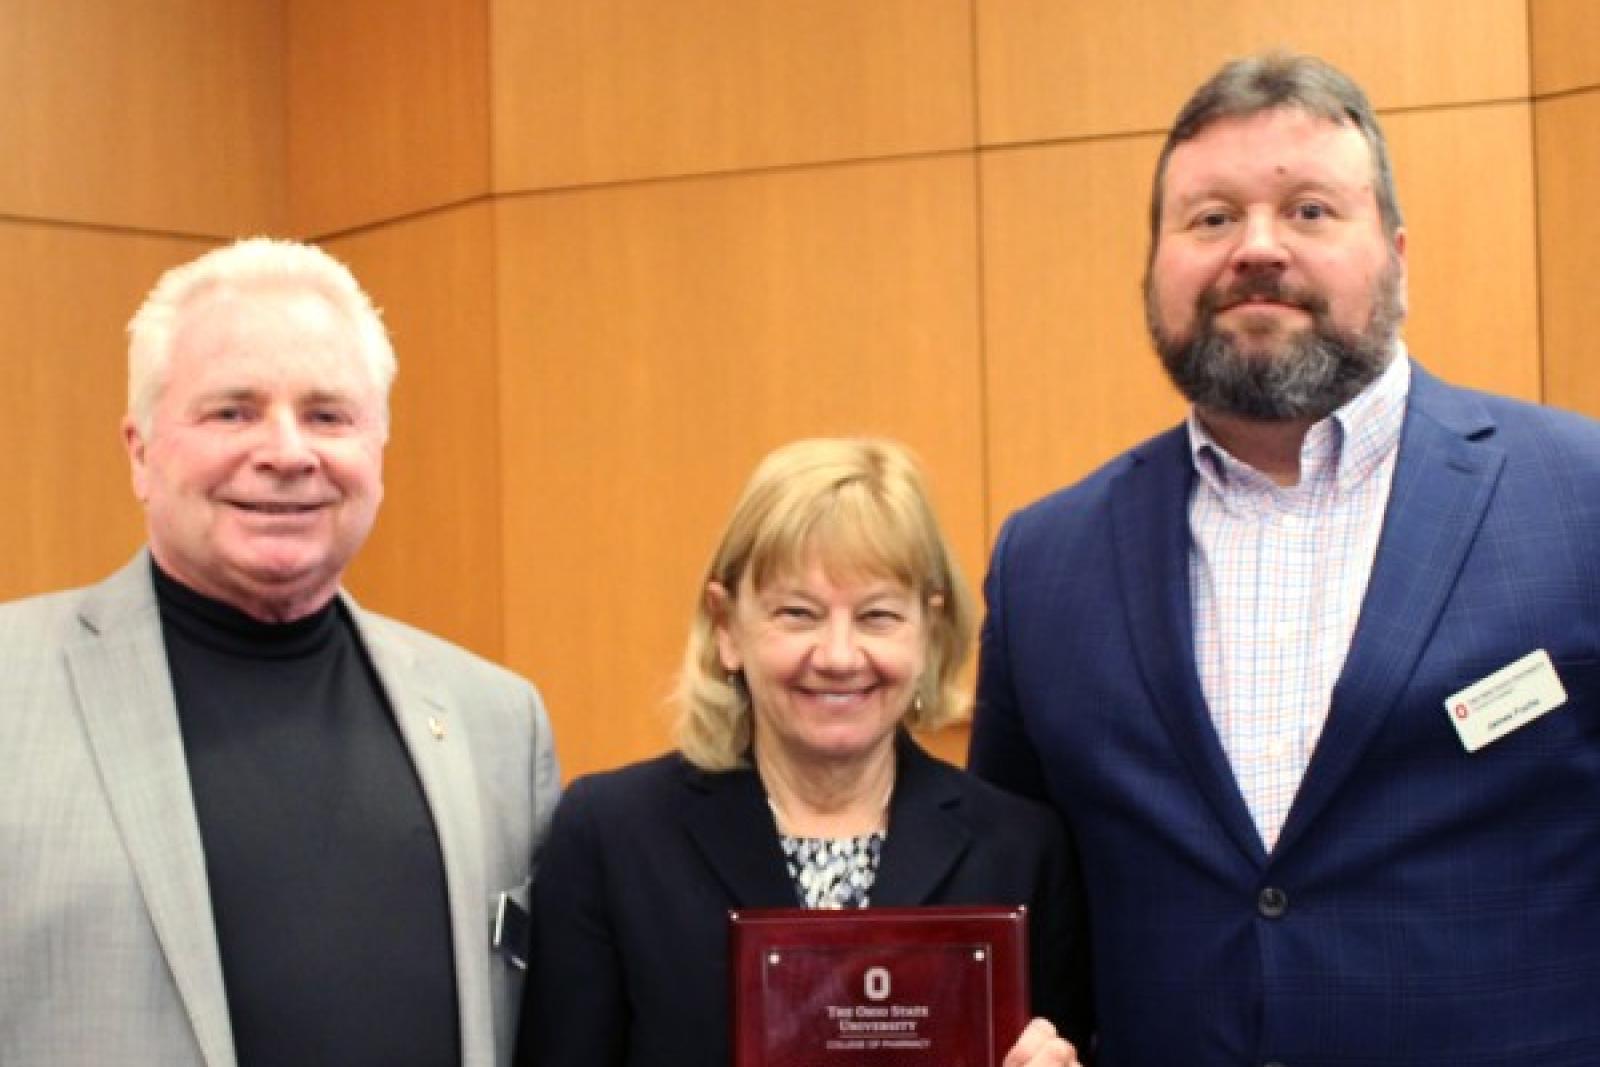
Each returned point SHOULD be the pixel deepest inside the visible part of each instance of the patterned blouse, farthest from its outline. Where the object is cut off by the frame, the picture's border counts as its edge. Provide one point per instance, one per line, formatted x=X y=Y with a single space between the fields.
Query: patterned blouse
x=833 y=872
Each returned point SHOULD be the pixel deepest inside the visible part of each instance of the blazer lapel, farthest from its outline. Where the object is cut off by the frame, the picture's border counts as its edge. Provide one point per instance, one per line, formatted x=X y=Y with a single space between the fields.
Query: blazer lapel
x=118 y=666
x=727 y=817
x=927 y=835
x=1444 y=478
x=1150 y=533
x=430 y=729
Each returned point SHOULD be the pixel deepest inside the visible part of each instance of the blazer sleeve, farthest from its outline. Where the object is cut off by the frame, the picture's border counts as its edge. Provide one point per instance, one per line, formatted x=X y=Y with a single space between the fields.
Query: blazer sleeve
x=575 y=1006
x=1059 y=961
x=1000 y=750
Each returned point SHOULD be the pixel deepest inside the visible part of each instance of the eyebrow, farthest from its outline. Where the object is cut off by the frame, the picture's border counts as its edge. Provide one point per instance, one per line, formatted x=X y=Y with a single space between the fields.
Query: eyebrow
x=236 y=392
x=1223 y=190
x=891 y=589
x=327 y=396
x=251 y=393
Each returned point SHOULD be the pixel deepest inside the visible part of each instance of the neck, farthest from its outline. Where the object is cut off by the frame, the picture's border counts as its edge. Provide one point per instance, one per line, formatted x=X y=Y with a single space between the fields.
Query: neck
x=825 y=799
x=1273 y=448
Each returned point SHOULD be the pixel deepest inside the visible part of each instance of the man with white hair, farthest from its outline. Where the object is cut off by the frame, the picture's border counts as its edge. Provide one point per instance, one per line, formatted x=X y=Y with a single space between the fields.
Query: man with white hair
x=242 y=820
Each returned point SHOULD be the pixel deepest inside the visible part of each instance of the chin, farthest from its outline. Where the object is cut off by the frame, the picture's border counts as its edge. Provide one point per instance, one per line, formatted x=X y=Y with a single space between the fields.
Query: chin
x=847 y=746
x=279 y=571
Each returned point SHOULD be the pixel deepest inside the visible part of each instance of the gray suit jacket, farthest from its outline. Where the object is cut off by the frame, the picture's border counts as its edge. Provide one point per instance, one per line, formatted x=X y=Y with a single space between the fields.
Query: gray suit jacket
x=107 y=949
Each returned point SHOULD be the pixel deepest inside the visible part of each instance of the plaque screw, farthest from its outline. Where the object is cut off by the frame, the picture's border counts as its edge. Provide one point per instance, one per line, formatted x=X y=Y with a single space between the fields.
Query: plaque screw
x=773 y=958
x=977 y=954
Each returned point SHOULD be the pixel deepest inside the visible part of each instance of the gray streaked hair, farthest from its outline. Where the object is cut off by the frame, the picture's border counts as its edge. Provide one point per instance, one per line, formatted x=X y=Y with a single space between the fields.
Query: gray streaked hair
x=1279 y=79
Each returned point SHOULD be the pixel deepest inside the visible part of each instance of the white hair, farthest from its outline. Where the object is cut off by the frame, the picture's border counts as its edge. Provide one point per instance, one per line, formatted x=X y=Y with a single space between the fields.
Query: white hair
x=249 y=265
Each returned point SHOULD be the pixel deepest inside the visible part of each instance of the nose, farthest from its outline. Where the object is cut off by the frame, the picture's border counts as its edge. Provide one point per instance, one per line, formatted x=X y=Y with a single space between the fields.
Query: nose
x=838 y=649
x=1260 y=244
x=284 y=446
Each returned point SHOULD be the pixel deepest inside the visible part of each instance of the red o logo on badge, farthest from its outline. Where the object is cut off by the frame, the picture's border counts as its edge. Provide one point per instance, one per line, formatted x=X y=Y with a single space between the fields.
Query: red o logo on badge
x=1461 y=710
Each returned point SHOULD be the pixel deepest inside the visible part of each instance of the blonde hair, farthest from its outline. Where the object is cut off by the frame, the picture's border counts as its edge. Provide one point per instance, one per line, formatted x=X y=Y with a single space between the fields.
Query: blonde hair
x=250 y=265
x=859 y=506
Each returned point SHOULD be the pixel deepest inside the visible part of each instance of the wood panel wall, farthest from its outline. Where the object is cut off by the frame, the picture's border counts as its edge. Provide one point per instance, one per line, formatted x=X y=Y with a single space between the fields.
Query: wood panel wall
x=759 y=308
x=626 y=247
x=134 y=136
x=387 y=110
x=1566 y=83
x=162 y=115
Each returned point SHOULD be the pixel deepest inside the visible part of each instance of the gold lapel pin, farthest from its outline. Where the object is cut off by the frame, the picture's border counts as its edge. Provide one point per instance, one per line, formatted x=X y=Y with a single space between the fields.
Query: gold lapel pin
x=436 y=727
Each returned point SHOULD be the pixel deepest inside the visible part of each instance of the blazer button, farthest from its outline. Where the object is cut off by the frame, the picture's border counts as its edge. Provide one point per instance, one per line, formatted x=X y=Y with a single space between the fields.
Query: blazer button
x=1272 y=902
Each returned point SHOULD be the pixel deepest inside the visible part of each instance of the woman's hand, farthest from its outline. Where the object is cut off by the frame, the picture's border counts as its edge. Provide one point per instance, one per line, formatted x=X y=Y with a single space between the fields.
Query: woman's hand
x=1041 y=1046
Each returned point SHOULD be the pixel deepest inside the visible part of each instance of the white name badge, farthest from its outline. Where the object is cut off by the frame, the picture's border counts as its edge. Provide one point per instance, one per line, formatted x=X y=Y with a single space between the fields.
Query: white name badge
x=1511 y=697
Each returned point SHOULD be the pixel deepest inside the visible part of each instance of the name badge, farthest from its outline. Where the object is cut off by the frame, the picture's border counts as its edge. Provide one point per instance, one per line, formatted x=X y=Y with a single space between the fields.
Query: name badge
x=1511 y=697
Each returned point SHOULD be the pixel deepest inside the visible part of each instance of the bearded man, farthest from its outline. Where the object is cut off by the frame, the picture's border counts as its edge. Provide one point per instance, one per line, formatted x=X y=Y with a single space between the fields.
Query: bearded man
x=1314 y=678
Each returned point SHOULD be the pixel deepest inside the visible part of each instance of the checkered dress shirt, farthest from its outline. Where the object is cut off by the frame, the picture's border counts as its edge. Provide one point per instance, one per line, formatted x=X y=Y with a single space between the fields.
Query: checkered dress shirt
x=1278 y=575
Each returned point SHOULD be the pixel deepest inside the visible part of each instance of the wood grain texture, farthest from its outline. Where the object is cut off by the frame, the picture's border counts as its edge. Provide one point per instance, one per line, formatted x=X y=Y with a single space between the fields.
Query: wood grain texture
x=66 y=296
x=1569 y=247
x=163 y=115
x=1078 y=68
x=1466 y=185
x=1071 y=377
x=589 y=91
x=1565 y=44
x=656 y=341
x=388 y=104
x=434 y=558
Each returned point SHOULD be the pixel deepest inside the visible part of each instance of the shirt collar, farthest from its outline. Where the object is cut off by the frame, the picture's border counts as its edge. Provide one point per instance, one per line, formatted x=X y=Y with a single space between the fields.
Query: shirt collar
x=1349 y=444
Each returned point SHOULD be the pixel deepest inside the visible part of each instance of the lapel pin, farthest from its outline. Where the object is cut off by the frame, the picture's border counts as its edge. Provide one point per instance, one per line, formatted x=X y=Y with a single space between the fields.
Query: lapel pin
x=436 y=727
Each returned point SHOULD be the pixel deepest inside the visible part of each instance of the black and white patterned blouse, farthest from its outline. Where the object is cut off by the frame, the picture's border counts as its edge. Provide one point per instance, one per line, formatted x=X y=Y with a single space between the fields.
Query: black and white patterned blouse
x=833 y=872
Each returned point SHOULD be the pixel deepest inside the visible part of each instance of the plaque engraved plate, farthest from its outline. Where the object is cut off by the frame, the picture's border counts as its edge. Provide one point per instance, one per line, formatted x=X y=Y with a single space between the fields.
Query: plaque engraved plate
x=877 y=987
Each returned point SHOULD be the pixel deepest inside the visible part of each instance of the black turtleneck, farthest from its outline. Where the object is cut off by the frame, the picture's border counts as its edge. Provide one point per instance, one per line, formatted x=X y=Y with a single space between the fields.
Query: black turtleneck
x=326 y=880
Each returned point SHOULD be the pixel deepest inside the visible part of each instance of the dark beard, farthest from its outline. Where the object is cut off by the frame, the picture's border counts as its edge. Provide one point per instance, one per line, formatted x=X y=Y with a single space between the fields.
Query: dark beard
x=1321 y=369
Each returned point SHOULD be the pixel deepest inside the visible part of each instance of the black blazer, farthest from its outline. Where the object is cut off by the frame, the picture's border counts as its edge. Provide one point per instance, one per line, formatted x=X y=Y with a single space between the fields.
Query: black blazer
x=628 y=964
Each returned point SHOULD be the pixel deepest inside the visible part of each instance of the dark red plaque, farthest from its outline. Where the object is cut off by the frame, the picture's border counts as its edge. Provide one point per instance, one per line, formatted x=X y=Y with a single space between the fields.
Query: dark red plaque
x=878 y=987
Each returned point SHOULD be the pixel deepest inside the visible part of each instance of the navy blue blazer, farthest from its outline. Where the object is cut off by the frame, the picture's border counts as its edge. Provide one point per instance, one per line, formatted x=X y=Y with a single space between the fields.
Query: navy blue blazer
x=1423 y=905
x=629 y=960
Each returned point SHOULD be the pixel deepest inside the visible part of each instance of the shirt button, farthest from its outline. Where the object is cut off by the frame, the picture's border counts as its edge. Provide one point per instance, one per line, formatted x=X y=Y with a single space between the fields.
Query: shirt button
x=1272 y=902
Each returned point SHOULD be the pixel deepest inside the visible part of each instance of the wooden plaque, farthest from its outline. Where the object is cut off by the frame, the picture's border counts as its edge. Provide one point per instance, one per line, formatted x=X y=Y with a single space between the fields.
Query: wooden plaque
x=877 y=987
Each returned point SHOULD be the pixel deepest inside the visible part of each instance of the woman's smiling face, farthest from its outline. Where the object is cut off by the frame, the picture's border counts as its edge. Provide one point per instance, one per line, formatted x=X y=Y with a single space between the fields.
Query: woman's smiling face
x=832 y=661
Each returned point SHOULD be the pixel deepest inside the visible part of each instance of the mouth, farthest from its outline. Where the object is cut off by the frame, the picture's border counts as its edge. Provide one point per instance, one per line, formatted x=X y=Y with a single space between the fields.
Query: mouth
x=1264 y=293
x=1260 y=302
x=265 y=507
x=840 y=698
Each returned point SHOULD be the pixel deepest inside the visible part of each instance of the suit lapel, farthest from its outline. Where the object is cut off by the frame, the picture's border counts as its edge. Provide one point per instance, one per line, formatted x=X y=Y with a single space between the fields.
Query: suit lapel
x=1444 y=478
x=927 y=835
x=118 y=666
x=1150 y=532
x=727 y=818
x=431 y=729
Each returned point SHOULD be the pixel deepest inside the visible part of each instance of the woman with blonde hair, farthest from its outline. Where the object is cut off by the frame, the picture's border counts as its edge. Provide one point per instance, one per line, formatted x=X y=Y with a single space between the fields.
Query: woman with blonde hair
x=831 y=622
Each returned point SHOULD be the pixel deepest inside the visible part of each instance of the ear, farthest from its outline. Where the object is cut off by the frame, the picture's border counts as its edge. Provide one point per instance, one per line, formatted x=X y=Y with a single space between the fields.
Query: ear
x=720 y=607
x=135 y=444
x=1399 y=242
x=1398 y=245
